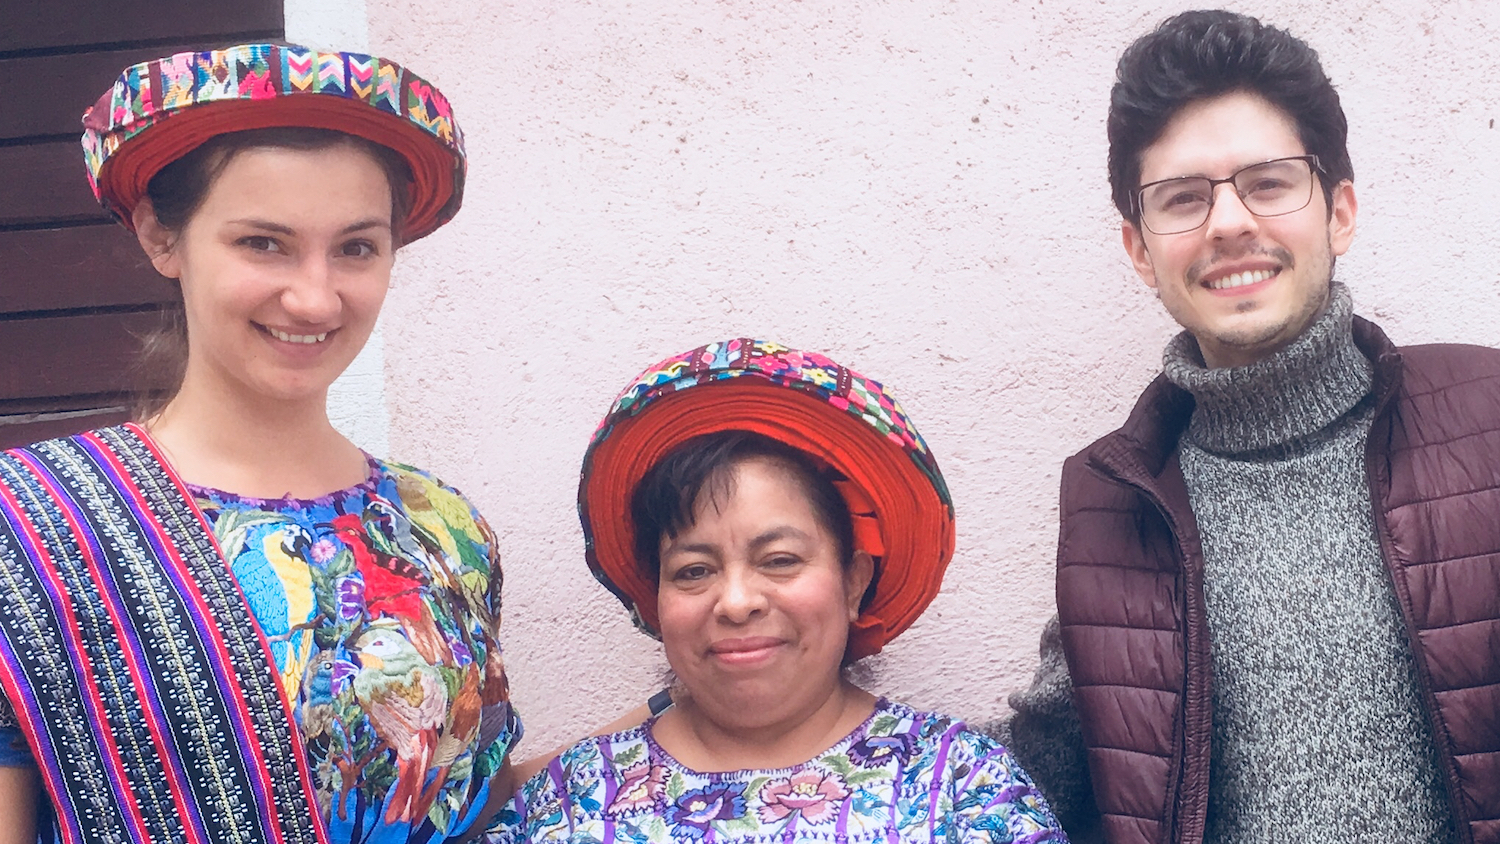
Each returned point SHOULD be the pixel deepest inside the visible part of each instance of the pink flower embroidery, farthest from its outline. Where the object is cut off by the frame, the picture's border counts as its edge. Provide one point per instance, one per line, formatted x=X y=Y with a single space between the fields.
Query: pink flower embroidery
x=323 y=551
x=641 y=787
x=812 y=795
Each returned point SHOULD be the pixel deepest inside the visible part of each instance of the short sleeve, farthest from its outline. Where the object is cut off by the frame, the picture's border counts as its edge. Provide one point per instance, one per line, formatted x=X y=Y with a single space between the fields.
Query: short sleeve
x=15 y=752
x=993 y=799
x=495 y=684
x=539 y=811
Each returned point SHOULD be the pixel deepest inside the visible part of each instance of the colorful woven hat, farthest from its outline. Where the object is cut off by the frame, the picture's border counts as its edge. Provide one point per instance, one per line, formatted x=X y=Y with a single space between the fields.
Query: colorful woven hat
x=160 y=110
x=903 y=515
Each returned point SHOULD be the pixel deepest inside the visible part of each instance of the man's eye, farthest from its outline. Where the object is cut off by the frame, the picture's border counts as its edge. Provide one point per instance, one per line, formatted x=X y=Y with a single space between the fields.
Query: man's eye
x=1268 y=186
x=1184 y=199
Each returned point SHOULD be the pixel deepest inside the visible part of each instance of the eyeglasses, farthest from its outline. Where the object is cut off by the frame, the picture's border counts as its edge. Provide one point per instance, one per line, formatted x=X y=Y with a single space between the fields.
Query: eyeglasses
x=1268 y=189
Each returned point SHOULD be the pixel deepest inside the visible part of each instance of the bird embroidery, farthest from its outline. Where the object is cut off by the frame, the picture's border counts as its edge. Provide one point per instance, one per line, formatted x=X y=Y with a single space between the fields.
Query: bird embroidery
x=407 y=702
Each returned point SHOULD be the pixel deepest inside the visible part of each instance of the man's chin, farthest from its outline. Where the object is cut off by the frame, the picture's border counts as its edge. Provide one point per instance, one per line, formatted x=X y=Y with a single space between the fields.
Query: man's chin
x=1245 y=345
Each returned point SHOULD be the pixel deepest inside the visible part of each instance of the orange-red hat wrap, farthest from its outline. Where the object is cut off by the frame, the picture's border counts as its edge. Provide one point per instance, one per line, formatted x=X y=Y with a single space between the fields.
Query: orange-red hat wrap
x=902 y=512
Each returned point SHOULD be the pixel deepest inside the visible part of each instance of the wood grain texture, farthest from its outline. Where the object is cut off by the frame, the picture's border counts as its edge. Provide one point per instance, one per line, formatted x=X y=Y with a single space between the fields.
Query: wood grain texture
x=63 y=356
x=55 y=24
x=81 y=267
x=73 y=83
x=42 y=183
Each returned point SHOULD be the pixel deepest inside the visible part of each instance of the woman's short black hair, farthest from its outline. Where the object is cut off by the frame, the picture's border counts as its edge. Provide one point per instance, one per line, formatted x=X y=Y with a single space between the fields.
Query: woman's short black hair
x=1204 y=54
x=665 y=502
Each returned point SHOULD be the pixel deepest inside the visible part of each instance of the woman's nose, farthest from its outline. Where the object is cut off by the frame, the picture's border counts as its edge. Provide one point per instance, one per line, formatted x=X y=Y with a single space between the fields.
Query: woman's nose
x=741 y=597
x=311 y=296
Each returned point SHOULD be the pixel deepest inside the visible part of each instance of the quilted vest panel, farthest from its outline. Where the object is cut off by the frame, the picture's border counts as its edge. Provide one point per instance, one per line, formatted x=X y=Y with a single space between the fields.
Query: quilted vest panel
x=1130 y=600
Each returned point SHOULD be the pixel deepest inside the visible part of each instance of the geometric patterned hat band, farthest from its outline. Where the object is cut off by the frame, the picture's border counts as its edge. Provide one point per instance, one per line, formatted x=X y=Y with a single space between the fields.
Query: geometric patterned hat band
x=158 y=111
x=817 y=375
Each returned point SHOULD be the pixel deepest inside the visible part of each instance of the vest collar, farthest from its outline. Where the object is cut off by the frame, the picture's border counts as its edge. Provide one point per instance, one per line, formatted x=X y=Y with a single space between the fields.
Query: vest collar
x=1142 y=449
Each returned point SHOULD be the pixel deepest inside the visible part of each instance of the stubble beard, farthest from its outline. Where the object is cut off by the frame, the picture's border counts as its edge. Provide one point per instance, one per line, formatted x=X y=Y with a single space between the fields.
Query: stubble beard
x=1258 y=341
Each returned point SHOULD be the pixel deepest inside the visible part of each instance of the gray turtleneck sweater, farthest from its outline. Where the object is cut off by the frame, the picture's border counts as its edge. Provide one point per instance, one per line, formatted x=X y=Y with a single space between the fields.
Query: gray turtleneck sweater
x=1319 y=731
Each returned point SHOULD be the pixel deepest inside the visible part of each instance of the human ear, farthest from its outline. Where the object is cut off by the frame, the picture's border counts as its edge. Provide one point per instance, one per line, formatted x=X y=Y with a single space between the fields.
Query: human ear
x=156 y=240
x=1135 y=247
x=857 y=577
x=1341 y=217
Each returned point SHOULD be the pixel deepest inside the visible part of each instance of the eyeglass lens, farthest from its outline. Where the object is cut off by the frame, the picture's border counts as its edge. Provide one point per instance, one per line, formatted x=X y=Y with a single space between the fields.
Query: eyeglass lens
x=1268 y=190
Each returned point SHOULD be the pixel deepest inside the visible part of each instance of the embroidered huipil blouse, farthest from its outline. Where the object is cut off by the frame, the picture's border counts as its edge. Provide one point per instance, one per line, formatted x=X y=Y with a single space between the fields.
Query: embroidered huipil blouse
x=381 y=603
x=901 y=776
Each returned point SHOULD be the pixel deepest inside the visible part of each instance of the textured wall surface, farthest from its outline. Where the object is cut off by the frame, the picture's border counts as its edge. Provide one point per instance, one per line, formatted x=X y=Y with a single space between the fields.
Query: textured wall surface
x=918 y=189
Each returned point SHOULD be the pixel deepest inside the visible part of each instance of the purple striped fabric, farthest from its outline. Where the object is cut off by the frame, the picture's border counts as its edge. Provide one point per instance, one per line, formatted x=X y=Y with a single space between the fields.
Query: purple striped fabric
x=137 y=672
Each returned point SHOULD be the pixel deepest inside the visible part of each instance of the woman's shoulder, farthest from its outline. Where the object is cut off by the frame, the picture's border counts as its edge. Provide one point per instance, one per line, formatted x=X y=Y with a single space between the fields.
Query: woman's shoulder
x=593 y=776
x=980 y=779
x=425 y=497
x=415 y=479
x=926 y=727
x=942 y=744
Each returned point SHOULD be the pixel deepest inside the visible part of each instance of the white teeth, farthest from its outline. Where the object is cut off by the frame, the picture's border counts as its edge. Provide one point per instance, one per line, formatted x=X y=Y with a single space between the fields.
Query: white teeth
x=297 y=338
x=1239 y=279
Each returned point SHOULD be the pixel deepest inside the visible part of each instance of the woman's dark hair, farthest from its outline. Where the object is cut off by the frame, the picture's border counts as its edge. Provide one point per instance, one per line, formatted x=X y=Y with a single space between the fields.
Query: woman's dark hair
x=178 y=190
x=666 y=500
x=1204 y=54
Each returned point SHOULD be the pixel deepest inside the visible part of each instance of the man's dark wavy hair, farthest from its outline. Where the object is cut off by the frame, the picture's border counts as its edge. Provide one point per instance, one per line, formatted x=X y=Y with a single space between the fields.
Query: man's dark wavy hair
x=1203 y=54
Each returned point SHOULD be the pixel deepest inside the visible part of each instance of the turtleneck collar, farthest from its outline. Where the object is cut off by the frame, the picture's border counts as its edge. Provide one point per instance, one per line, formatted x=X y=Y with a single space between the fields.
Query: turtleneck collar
x=1282 y=399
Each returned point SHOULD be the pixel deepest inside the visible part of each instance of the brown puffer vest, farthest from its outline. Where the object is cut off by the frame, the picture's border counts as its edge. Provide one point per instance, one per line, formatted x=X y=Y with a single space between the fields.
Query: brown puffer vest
x=1130 y=589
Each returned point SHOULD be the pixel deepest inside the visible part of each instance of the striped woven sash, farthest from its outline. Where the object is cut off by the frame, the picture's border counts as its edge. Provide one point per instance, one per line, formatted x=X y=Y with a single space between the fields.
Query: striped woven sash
x=135 y=668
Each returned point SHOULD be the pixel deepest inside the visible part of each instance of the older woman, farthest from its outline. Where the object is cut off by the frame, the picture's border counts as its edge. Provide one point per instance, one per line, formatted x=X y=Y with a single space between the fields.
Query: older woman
x=772 y=517
x=226 y=622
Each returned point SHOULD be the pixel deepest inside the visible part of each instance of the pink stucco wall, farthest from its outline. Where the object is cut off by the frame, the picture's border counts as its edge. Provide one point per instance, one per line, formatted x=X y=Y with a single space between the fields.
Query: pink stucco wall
x=917 y=188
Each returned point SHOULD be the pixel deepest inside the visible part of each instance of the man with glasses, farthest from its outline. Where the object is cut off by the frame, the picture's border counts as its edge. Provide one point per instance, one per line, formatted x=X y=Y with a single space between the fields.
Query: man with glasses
x=1279 y=582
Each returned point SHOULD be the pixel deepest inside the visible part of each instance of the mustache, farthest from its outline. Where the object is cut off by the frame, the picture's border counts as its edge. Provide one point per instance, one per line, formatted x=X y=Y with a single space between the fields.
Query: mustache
x=1198 y=269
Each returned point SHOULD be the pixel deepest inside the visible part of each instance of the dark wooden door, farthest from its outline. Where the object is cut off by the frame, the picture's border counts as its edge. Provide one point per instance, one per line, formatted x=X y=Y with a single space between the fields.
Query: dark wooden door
x=76 y=293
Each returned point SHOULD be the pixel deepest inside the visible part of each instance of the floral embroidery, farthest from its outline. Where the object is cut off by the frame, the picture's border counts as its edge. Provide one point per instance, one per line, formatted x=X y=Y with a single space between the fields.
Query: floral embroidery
x=695 y=810
x=872 y=750
x=902 y=777
x=813 y=796
x=641 y=785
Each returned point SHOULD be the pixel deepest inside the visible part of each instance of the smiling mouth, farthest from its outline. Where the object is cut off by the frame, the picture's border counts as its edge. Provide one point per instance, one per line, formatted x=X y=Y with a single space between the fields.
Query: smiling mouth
x=745 y=650
x=1243 y=279
x=305 y=339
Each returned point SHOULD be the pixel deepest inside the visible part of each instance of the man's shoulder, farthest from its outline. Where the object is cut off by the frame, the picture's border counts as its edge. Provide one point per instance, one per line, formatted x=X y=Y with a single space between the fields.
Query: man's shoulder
x=1432 y=367
x=1151 y=430
x=1454 y=351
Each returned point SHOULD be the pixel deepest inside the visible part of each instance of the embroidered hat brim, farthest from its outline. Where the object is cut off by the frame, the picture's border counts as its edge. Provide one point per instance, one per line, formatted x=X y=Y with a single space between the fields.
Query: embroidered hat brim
x=161 y=110
x=902 y=513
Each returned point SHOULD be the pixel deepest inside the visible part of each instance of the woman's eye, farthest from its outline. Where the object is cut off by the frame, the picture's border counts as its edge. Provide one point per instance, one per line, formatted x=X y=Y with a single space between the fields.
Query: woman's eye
x=261 y=243
x=691 y=572
x=783 y=561
x=358 y=249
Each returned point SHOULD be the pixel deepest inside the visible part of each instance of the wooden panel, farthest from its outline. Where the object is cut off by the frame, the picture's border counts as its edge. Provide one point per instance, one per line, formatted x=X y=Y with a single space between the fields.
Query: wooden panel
x=79 y=267
x=73 y=83
x=62 y=356
x=48 y=24
x=15 y=408
x=45 y=182
x=20 y=430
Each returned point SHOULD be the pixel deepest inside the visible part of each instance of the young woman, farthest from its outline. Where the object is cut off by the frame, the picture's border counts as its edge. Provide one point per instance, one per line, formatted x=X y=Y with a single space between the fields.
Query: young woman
x=772 y=517
x=227 y=623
